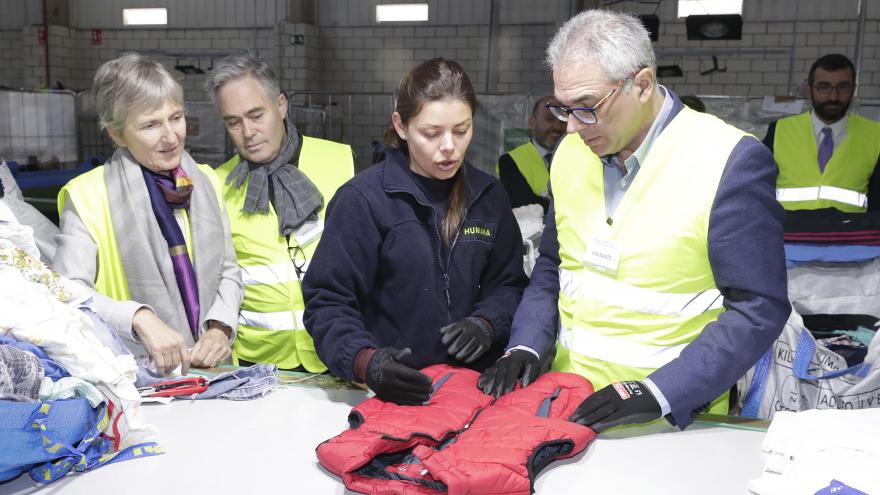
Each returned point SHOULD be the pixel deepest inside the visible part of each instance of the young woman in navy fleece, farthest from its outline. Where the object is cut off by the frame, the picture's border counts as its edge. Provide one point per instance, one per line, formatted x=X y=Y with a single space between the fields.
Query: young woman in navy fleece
x=420 y=261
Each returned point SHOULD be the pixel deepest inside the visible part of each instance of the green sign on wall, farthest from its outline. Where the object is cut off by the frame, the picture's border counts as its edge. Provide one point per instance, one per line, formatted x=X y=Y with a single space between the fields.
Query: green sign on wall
x=516 y=136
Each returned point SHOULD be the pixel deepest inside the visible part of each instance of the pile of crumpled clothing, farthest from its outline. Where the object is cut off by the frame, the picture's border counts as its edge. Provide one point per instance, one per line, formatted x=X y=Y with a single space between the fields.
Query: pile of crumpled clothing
x=53 y=350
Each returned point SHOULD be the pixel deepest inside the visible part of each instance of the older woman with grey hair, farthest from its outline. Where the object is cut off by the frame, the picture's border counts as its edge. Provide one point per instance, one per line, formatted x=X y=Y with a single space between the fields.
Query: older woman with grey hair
x=149 y=228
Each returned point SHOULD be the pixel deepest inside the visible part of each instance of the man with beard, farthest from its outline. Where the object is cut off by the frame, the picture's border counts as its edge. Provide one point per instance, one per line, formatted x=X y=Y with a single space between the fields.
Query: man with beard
x=826 y=158
x=524 y=171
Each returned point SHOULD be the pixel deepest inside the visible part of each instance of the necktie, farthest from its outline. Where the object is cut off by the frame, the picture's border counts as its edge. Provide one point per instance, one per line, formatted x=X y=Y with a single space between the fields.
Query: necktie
x=548 y=159
x=826 y=147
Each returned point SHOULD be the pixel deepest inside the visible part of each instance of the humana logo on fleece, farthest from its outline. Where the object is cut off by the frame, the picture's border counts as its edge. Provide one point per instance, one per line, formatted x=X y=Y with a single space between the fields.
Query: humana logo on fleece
x=482 y=231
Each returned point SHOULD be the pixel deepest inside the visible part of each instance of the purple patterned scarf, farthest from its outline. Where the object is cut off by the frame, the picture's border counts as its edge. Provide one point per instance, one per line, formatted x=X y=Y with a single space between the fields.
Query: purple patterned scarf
x=166 y=195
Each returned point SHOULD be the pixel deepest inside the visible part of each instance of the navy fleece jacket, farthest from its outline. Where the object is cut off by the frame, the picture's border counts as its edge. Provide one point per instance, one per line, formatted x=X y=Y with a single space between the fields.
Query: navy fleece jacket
x=377 y=278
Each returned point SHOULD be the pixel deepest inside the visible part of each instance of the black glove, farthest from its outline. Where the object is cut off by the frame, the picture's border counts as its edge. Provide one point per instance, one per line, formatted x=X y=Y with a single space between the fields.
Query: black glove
x=620 y=403
x=467 y=339
x=394 y=382
x=517 y=365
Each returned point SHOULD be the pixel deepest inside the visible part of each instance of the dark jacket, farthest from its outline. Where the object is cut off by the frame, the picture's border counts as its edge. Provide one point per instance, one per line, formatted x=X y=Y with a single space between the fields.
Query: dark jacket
x=376 y=279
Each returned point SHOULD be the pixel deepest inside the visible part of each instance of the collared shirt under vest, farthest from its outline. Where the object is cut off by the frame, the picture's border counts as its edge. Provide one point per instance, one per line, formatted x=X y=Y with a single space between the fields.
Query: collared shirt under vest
x=843 y=184
x=633 y=294
x=270 y=327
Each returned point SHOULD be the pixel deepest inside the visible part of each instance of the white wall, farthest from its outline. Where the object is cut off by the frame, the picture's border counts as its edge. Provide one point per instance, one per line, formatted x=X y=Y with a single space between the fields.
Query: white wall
x=347 y=52
x=10 y=58
x=107 y=14
x=446 y=12
x=12 y=14
x=351 y=53
x=798 y=32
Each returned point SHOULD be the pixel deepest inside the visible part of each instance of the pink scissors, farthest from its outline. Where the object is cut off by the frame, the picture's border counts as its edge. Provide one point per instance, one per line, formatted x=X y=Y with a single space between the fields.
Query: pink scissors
x=173 y=388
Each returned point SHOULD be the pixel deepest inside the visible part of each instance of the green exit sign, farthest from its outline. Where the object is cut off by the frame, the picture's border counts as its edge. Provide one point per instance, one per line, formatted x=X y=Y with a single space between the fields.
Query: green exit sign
x=297 y=39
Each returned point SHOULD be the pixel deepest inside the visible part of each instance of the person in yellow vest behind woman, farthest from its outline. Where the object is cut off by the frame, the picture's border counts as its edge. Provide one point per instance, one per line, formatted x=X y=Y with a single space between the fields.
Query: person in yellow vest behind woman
x=275 y=190
x=826 y=157
x=661 y=274
x=525 y=170
x=148 y=228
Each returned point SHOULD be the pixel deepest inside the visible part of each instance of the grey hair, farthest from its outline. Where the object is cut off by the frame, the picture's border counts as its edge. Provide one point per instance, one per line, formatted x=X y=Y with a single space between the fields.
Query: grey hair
x=129 y=83
x=240 y=65
x=618 y=43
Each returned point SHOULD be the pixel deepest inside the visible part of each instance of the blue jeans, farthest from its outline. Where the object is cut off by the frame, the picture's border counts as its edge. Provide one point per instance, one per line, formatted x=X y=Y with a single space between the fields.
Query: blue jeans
x=244 y=384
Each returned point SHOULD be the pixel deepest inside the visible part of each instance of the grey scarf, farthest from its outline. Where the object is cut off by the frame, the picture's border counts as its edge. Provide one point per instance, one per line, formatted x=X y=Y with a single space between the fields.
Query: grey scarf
x=296 y=199
x=143 y=249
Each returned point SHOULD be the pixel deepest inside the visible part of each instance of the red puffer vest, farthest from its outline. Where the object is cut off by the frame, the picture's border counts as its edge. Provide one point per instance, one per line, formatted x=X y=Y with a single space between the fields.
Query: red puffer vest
x=460 y=441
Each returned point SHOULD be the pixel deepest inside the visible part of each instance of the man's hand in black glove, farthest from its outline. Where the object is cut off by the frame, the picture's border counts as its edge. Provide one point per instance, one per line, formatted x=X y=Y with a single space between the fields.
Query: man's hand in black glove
x=467 y=339
x=620 y=403
x=395 y=382
x=517 y=365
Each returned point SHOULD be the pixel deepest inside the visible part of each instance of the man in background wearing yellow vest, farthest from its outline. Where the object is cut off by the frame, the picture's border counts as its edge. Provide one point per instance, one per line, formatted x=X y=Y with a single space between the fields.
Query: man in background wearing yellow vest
x=275 y=190
x=662 y=272
x=827 y=158
x=525 y=170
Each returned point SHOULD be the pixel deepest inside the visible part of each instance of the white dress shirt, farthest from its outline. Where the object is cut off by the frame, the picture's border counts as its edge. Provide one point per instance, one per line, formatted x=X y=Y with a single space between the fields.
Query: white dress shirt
x=838 y=130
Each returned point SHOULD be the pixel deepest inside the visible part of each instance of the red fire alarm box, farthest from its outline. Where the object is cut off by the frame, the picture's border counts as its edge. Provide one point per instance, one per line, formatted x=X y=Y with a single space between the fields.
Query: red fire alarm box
x=96 y=37
x=42 y=35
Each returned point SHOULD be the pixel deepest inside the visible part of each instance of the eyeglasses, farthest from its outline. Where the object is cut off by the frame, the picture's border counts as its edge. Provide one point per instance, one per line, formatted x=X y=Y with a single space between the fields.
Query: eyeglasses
x=586 y=115
x=824 y=88
x=298 y=258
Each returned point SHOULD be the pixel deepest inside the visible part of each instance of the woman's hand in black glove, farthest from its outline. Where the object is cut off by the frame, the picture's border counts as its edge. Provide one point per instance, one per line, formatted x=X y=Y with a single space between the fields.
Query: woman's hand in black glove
x=395 y=382
x=467 y=339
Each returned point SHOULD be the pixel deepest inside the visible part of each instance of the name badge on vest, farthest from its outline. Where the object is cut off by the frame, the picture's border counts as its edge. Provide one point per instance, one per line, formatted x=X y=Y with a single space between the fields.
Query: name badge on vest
x=309 y=231
x=603 y=254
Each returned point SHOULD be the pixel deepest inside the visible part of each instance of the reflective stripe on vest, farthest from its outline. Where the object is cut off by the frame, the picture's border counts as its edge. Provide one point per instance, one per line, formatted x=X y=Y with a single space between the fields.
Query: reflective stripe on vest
x=271 y=328
x=634 y=319
x=617 y=350
x=843 y=184
x=832 y=193
x=636 y=299
x=279 y=273
x=532 y=166
x=280 y=321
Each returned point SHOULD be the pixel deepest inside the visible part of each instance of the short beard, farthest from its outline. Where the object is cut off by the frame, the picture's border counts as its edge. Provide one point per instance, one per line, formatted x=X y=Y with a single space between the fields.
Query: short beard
x=822 y=111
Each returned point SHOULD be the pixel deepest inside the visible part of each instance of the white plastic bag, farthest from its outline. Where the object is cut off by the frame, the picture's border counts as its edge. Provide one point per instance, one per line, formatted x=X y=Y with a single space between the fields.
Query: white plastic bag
x=797 y=374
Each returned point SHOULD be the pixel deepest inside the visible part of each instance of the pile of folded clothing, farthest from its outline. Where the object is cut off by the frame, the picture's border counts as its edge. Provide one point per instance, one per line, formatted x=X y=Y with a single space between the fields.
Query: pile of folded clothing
x=831 y=235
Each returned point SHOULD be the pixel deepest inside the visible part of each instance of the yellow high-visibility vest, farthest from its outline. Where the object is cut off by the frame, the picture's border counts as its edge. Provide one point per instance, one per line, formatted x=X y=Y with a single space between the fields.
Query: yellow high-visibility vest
x=634 y=292
x=89 y=194
x=844 y=182
x=270 y=326
x=531 y=165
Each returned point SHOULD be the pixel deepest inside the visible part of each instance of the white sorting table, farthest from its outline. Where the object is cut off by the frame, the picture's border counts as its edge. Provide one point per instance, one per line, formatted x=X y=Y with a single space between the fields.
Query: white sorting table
x=266 y=446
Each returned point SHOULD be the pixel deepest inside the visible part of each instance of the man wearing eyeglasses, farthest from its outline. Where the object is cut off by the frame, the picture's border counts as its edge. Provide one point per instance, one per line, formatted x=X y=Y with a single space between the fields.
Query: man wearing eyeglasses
x=662 y=279
x=275 y=189
x=827 y=158
x=525 y=170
